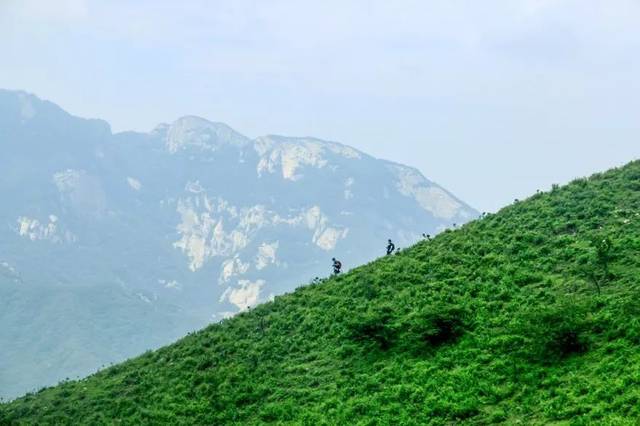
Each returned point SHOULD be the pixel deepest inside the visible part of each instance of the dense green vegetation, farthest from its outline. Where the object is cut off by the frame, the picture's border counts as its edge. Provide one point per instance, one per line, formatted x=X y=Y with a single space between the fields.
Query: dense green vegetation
x=530 y=315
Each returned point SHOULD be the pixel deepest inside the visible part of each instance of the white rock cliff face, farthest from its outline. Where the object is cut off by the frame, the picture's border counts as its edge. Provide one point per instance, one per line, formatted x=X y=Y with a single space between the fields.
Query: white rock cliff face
x=245 y=295
x=289 y=156
x=432 y=198
x=266 y=255
x=34 y=230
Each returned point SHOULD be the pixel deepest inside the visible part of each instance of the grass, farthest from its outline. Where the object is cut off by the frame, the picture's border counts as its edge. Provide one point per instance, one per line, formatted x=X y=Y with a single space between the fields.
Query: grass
x=528 y=316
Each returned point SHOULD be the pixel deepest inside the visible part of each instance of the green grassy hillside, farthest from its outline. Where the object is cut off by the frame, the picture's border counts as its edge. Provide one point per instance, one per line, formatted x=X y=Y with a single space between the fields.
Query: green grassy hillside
x=531 y=315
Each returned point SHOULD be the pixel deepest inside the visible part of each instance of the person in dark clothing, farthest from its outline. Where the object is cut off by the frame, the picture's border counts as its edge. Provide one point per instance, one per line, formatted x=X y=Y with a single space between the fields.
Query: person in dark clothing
x=337 y=265
x=390 y=247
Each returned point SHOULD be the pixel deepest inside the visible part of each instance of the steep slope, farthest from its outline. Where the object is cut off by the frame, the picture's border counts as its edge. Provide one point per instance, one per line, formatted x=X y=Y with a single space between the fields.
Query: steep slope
x=529 y=315
x=146 y=236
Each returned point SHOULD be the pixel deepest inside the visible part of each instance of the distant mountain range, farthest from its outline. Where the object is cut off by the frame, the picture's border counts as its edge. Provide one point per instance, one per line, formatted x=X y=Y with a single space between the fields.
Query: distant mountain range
x=111 y=244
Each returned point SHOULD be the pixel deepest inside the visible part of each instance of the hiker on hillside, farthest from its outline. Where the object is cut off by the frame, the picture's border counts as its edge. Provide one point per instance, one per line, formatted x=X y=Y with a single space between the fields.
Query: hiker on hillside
x=337 y=265
x=390 y=247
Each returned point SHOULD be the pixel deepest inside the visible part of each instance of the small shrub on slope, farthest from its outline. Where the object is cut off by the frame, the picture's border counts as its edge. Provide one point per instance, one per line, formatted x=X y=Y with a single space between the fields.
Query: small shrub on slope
x=373 y=326
x=554 y=332
x=439 y=325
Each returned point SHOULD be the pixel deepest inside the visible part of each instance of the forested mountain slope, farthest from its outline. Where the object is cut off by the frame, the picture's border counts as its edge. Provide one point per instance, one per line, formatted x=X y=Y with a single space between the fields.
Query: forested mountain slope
x=530 y=315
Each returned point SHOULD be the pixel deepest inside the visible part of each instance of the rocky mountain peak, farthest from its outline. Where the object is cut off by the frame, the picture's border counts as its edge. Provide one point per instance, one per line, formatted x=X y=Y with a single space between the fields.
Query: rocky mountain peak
x=192 y=132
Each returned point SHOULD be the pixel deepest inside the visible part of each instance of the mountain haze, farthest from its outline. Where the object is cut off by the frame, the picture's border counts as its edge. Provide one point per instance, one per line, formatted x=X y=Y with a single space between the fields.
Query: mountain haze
x=111 y=244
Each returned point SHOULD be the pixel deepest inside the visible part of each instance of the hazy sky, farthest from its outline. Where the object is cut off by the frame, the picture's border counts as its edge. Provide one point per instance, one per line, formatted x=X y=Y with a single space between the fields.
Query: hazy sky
x=492 y=99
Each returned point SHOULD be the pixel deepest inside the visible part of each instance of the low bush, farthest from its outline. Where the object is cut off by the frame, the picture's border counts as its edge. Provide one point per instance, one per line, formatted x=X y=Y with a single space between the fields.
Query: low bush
x=373 y=325
x=438 y=326
x=554 y=332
